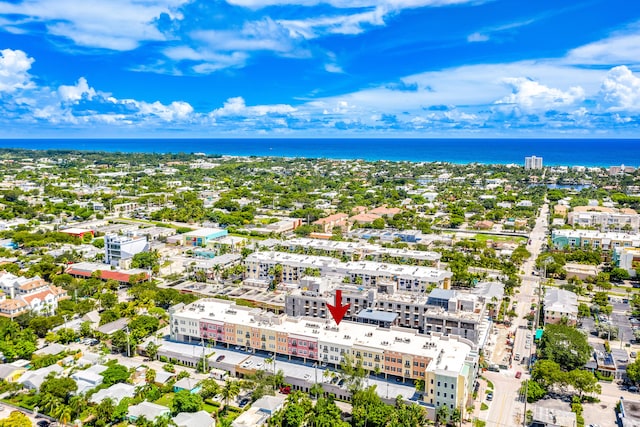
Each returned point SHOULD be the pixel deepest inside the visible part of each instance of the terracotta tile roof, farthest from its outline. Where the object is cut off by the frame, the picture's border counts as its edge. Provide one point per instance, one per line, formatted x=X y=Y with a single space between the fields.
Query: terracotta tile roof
x=38 y=295
x=12 y=304
x=382 y=210
x=104 y=274
x=33 y=284
x=332 y=218
x=364 y=218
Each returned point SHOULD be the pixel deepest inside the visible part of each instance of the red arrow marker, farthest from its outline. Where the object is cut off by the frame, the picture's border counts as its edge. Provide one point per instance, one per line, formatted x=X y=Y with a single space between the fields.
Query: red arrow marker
x=338 y=311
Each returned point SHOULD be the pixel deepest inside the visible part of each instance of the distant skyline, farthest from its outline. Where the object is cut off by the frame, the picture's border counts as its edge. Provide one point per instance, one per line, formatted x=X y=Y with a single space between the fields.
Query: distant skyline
x=311 y=68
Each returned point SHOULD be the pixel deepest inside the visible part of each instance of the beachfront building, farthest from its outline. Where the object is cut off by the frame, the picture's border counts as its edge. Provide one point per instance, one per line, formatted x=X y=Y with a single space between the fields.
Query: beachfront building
x=533 y=162
x=261 y=265
x=119 y=250
x=361 y=251
x=203 y=236
x=604 y=218
x=606 y=241
x=442 y=311
x=447 y=364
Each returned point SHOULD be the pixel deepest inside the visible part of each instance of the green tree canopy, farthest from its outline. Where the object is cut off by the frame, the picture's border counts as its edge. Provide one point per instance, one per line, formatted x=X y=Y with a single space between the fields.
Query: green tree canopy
x=184 y=401
x=564 y=345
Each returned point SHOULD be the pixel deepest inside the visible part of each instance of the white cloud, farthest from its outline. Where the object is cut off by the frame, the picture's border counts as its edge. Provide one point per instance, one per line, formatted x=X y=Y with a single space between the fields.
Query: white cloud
x=14 y=67
x=615 y=50
x=237 y=107
x=108 y=24
x=333 y=68
x=530 y=95
x=477 y=37
x=176 y=111
x=621 y=90
x=400 y=4
x=77 y=92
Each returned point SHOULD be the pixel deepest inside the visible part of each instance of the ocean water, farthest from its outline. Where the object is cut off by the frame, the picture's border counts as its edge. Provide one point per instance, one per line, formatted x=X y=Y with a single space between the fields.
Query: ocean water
x=585 y=152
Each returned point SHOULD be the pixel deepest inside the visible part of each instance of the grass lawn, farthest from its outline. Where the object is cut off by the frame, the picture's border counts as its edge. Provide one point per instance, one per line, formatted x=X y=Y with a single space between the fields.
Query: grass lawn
x=485 y=237
x=165 y=400
x=211 y=408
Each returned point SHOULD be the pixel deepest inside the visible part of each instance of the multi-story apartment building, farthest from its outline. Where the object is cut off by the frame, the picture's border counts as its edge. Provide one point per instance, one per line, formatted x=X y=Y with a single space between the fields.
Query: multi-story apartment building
x=627 y=259
x=442 y=311
x=447 y=364
x=336 y=220
x=560 y=306
x=606 y=219
x=593 y=239
x=20 y=295
x=118 y=250
x=533 y=162
x=362 y=251
x=260 y=265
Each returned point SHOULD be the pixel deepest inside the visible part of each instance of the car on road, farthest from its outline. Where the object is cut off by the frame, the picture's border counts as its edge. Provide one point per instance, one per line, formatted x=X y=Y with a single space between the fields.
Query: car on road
x=43 y=423
x=633 y=389
x=220 y=358
x=489 y=396
x=518 y=374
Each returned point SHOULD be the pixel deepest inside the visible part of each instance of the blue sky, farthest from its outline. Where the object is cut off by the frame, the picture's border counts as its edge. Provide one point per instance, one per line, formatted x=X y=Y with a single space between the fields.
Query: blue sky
x=280 y=68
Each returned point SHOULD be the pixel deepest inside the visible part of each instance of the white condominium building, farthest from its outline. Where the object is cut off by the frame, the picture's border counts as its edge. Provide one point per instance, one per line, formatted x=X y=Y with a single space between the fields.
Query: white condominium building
x=361 y=251
x=533 y=162
x=122 y=248
x=260 y=265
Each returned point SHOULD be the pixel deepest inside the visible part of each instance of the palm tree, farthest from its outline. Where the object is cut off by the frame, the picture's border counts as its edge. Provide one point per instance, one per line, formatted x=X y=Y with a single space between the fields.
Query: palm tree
x=49 y=403
x=230 y=390
x=78 y=403
x=64 y=413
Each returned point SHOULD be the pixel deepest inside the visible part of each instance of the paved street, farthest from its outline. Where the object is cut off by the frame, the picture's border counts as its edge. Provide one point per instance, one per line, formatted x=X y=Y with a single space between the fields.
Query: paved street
x=506 y=408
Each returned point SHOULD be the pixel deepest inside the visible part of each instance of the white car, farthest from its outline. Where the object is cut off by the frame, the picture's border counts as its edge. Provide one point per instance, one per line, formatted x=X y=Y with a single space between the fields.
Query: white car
x=259 y=365
x=247 y=364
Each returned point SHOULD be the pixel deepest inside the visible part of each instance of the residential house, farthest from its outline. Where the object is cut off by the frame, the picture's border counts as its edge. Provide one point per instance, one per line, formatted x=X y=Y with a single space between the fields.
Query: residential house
x=34 y=379
x=260 y=412
x=189 y=384
x=10 y=373
x=150 y=411
x=194 y=419
x=116 y=393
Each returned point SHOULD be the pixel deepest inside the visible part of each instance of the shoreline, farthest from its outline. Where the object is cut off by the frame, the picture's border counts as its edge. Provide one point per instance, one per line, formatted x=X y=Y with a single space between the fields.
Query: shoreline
x=601 y=153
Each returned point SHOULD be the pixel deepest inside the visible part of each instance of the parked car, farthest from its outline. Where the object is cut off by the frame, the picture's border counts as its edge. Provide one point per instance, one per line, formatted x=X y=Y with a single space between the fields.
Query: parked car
x=490 y=396
x=244 y=402
x=285 y=389
x=518 y=374
x=220 y=358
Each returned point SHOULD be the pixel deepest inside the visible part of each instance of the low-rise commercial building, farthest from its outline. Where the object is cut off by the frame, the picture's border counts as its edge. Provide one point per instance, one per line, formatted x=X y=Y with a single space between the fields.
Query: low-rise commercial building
x=202 y=236
x=447 y=364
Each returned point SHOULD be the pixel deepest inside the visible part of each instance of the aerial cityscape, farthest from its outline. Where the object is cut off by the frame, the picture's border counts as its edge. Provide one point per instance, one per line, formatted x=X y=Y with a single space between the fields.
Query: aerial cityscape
x=319 y=213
